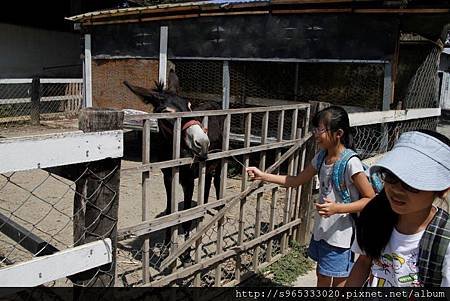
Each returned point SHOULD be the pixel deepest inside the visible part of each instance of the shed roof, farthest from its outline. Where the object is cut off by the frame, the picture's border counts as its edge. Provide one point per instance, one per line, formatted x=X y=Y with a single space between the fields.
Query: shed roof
x=184 y=10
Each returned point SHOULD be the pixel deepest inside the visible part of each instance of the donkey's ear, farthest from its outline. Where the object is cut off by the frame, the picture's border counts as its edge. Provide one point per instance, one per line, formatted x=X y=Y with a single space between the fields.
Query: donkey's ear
x=159 y=86
x=147 y=95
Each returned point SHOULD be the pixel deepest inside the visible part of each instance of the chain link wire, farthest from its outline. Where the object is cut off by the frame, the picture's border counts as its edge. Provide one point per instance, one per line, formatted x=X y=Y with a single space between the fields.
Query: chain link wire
x=37 y=217
x=423 y=88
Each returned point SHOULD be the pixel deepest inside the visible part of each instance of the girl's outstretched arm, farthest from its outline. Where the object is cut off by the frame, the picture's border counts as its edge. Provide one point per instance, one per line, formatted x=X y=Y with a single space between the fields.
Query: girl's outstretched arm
x=287 y=181
x=366 y=192
x=360 y=272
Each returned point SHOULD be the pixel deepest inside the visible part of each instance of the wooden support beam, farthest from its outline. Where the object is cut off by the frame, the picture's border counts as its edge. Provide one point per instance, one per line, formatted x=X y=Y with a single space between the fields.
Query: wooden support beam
x=146 y=203
x=35 y=101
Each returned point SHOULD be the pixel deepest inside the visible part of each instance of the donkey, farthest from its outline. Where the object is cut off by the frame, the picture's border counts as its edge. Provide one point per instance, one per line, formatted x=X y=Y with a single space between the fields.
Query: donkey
x=196 y=141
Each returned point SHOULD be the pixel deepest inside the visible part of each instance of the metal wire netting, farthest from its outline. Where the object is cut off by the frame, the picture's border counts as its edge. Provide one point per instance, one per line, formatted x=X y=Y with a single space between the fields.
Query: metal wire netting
x=55 y=98
x=38 y=217
x=423 y=88
x=372 y=140
x=266 y=83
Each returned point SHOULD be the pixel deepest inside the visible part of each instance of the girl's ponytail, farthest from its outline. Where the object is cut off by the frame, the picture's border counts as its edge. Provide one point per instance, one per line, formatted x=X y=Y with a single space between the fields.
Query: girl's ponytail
x=348 y=139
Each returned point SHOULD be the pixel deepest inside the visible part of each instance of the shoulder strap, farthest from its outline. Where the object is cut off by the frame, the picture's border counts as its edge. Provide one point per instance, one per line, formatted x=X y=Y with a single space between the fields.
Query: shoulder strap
x=338 y=174
x=320 y=159
x=432 y=249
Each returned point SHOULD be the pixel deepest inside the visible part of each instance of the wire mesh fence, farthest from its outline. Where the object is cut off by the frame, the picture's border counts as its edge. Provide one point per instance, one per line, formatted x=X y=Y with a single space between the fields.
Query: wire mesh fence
x=38 y=217
x=376 y=139
x=21 y=100
x=262 y=83
x=423 y=88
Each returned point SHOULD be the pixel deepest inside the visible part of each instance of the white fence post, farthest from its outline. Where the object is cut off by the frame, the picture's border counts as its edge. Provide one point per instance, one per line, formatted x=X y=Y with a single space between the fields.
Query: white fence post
x=87 y=74
x=163 y=39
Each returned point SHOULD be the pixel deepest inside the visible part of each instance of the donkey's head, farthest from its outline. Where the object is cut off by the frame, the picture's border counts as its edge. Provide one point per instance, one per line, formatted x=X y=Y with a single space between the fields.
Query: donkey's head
x=193 y=135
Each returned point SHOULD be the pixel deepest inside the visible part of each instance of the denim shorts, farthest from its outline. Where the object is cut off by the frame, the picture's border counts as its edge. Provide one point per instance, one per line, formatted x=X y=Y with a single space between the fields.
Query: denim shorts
x=331 y=261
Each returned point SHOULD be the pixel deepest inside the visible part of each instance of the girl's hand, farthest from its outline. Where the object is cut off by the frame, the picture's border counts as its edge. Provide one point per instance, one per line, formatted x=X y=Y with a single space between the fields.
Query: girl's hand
x=328 y=208
x=254 y=173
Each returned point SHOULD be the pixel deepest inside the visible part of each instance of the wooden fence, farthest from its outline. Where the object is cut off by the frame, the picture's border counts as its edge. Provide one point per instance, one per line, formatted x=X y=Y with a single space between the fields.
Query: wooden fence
x=268 y=225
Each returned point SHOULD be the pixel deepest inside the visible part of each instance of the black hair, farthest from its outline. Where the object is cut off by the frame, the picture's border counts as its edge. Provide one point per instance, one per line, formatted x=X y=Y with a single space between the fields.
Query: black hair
x=373 y=235
x=335 y=118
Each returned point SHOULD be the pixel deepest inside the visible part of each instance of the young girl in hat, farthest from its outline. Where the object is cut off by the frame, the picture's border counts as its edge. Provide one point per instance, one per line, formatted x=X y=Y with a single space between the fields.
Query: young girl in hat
x=333 y=225
x=402 y=237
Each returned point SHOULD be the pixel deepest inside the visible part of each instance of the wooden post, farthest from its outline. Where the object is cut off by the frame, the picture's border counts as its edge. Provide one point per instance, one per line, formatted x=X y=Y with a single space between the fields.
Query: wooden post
x=296 y=82
x=224 y=174
x=303 y=164
x=201 y=201
x=306 y=205
x=96 y=202
x=225 y=85
x=247 y=134
x=262 y=166
x=298 y=167
x=387 y=98
x=275 y=191
x=35 y=101
x=175 y=180
x=146 y=199
x=287 y=208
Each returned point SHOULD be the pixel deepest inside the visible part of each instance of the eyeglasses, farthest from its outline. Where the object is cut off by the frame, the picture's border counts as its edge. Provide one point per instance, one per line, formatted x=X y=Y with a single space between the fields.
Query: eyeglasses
x=390 y=178
x=317 y=131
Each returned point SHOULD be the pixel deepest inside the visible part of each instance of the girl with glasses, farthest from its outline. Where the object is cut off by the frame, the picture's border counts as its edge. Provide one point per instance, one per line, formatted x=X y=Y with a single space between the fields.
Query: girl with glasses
x=402 y=222
x=333 y=224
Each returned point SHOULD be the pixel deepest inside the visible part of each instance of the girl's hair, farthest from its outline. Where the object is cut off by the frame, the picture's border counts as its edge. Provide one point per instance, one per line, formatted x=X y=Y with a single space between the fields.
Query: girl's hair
x=377 y=220
x=335 y=118
x=374 y=225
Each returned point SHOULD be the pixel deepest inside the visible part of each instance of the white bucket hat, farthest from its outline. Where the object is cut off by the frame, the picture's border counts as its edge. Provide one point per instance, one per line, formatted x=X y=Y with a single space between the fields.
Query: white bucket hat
x=419 y=160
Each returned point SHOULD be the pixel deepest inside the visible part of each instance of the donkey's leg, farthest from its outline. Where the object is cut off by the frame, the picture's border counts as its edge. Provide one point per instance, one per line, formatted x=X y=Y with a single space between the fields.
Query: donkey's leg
x=217 y=179
x=187 y=182
x=168 y=186
x=208 y=180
